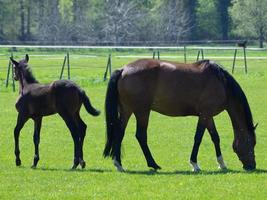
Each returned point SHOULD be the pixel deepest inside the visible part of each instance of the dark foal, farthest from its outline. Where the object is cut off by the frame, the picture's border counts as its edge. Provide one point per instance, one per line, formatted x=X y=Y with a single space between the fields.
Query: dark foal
x=37 y=100
x=201 y=89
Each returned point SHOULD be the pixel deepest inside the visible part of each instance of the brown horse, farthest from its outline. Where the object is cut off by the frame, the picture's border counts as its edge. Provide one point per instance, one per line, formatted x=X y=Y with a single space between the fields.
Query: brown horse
x=200 y=89
x=37 y=100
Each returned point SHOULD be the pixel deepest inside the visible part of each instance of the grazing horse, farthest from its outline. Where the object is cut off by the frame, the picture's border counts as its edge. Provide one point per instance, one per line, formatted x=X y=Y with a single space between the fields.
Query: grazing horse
x=200 y=89
x=37 y=100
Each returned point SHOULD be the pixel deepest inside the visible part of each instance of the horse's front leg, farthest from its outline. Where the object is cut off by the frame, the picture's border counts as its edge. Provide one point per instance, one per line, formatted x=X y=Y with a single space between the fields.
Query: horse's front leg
x=21 y=120
x=36 y=140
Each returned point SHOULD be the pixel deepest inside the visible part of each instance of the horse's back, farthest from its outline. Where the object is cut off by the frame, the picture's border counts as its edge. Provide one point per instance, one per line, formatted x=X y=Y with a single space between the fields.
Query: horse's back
x=171 y=88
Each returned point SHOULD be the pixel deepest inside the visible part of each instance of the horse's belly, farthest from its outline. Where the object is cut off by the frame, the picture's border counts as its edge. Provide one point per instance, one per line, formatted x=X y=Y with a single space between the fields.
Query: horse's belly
x=174 y=109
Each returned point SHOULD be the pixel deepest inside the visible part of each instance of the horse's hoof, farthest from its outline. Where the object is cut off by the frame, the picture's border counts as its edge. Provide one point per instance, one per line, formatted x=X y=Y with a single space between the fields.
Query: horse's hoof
x=195 y=166
x=18 y=162
x=83 y=164
x=33 y=166
x=118 y=166
x=155 y=167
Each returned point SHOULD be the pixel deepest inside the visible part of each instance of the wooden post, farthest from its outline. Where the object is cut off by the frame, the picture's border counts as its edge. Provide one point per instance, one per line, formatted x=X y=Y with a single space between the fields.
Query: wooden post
x=13 y=81
x=62 y=68
x=8 y=73
x=198 y=53
x=202 y=54
x=154 y=53
x=184 y=54
x=233 y=67
x=245 y=59
x=108 y=67
x=68 y=63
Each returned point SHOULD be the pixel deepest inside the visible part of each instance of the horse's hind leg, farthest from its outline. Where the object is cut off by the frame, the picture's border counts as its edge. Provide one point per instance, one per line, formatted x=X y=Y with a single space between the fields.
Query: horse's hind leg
x=124 y=118
x=141 y=135
x=21 y=120
x=197 y=141
x=36 y=140
x=216 y=141
x=82 y=129
x=70 y=122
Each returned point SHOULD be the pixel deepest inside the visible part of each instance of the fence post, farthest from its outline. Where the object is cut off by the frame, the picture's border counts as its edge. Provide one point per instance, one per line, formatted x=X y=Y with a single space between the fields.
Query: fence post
x=68 y=63
x=62 y=68
x=233 y=67
x=108 y=68
x=184 y=54
x=154 y=53
x=245 y=59
x=198 y=53
x=202 y=54
x=8 y=73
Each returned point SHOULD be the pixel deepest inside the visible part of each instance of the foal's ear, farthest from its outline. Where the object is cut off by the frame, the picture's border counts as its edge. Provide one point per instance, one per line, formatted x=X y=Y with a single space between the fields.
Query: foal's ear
x=27 y=58
x=256 y=126
x=14 y=62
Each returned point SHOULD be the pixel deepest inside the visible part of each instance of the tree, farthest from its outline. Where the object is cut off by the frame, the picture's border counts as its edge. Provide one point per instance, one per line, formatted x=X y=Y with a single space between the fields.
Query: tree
x=120 y=19
x=177 y=22
x=224 y=19
x=208 y=20
x=249 y=19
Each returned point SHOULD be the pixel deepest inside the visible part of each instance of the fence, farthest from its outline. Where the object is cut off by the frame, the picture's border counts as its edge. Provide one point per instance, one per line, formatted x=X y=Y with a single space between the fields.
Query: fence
x=65 y=57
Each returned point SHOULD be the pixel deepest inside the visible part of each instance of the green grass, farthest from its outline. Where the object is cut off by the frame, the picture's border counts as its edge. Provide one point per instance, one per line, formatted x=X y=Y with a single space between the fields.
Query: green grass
x=170 y=140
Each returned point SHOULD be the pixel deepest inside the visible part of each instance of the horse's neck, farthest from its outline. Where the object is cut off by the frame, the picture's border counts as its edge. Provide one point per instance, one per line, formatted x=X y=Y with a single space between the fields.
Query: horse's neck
x=237 y=115
x=23 y=86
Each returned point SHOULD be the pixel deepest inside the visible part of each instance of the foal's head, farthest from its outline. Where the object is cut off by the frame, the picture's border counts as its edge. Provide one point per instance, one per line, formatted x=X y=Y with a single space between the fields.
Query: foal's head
x=19 y=67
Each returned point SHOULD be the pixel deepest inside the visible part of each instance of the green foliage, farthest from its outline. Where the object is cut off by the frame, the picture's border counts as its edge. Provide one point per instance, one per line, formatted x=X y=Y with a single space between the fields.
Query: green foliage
x=207 y=20
x=249 y=18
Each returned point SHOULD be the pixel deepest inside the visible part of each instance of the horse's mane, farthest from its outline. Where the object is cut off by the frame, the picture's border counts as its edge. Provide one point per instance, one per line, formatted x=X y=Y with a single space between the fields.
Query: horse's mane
x=28 y=75
x=237 y=92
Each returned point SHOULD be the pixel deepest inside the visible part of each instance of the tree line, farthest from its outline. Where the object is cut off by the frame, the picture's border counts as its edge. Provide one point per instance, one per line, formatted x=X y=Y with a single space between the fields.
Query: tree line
x=131 y=21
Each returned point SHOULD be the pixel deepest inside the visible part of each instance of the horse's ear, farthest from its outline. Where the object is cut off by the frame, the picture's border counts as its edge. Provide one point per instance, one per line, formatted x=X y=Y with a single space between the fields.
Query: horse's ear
x=256 y=126
x=14 y=62
x=27 y=58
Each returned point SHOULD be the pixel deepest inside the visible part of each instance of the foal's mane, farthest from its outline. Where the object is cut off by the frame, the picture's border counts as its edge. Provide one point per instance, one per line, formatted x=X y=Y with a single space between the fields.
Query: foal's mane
x=27 y=72
x=236 y=91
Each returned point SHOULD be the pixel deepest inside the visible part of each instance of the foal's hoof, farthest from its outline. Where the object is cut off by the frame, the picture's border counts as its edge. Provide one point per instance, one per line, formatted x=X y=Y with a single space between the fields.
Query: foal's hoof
x=18 y=162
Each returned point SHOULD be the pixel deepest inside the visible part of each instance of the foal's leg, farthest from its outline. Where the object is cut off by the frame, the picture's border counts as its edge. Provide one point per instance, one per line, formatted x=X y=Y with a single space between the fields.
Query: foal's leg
x=21 y=120
x=82 y=129
x=216 y=141
x=36 y=140
x=197 y=141
x=141 y=135
x=124 y=118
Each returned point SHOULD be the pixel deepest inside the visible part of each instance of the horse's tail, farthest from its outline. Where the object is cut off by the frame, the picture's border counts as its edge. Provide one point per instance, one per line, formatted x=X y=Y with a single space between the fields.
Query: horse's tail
x=112 y=114
x=87 y=104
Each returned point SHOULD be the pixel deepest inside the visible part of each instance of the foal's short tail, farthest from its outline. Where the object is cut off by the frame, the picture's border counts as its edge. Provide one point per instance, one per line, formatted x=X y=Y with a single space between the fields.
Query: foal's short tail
x=88 y=106
x=112 y=115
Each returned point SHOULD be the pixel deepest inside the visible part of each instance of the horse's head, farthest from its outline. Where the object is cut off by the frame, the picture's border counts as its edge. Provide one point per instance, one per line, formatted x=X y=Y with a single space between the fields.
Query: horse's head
x=19 y=66
x=243 y=146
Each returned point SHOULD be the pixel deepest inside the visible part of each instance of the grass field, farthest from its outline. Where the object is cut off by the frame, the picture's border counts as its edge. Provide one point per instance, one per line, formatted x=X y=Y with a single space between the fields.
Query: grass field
x=170 y=140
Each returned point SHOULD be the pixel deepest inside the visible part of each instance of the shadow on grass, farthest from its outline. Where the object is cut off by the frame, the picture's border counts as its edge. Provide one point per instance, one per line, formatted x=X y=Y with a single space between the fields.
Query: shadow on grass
x=203 y=172
x=73 y=170
x=153 y=172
